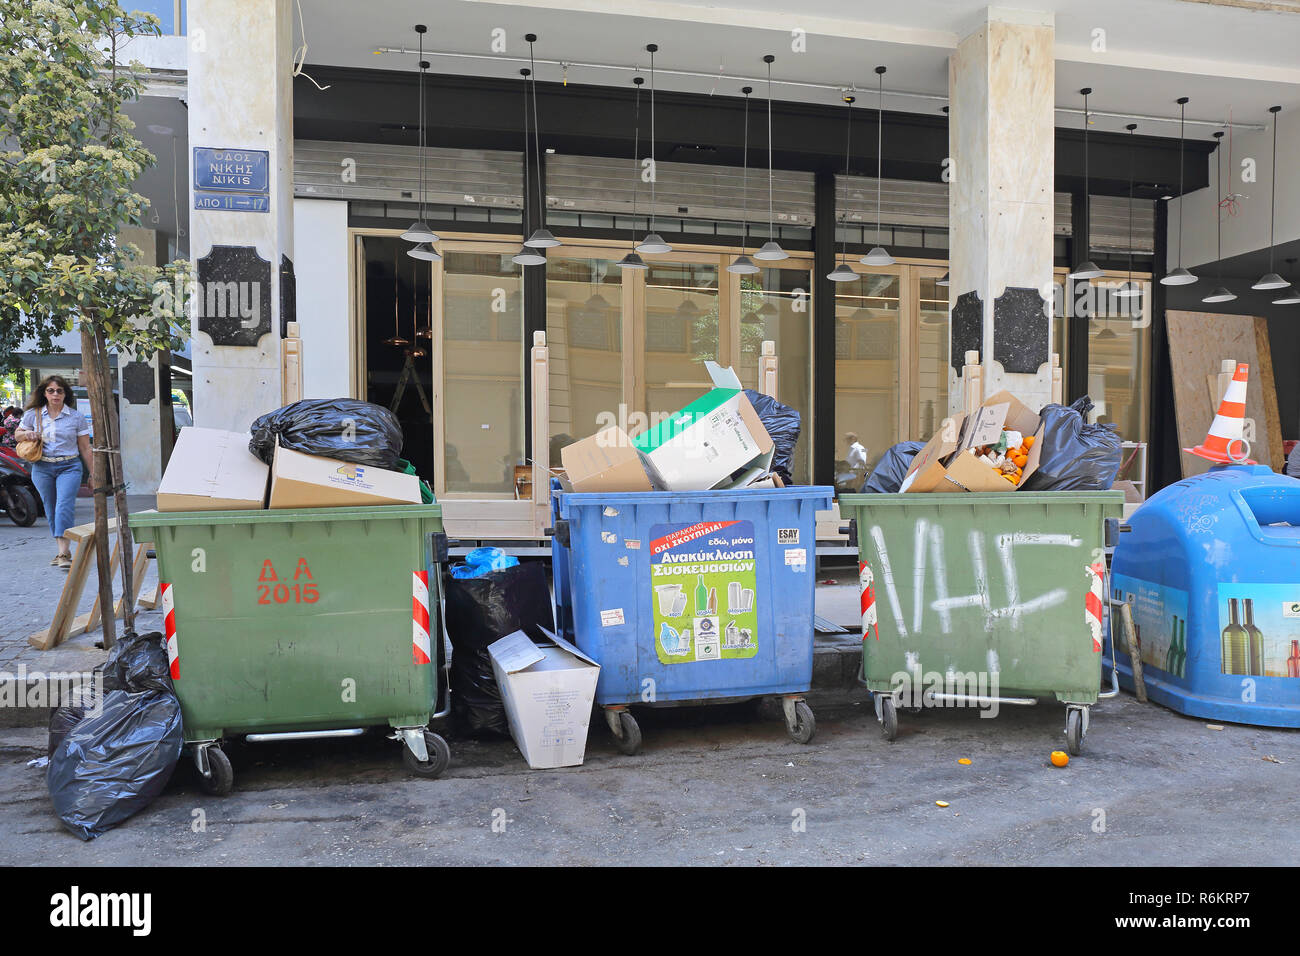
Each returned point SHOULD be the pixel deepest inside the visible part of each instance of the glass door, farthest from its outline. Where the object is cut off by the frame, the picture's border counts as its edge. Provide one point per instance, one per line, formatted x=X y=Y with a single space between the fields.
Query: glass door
x=930 y=347
x=680 y=331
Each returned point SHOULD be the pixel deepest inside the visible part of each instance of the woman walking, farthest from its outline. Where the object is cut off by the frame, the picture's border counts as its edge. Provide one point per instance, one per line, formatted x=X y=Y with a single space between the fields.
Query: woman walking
x=64 y=434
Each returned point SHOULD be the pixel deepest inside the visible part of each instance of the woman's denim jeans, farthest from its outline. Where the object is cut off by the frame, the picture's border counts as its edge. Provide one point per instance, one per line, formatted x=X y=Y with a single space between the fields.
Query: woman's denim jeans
x=57 y=483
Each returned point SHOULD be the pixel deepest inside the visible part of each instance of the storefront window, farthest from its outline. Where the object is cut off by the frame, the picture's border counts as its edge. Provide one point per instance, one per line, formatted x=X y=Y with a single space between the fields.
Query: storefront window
x=1118 y=339
x=681 y=333
x=867 y=321
x=483 y=375
x=776 y=306
x=584 y=334
x=931 y=357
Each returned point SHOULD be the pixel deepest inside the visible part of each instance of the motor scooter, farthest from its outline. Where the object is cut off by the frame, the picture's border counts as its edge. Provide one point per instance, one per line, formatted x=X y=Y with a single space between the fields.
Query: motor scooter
x=18 y=496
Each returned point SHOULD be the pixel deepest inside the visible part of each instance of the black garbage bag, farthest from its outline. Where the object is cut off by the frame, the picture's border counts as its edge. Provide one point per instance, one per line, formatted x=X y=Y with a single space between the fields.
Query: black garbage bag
x=479 y=611
x=782 y=423
x=1075 y=456
x=110 y=761
x=343 y=428
x=887 y=477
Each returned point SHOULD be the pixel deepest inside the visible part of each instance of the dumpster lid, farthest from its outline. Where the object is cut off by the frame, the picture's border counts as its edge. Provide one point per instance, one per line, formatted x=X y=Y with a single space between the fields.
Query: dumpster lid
x=516 y=652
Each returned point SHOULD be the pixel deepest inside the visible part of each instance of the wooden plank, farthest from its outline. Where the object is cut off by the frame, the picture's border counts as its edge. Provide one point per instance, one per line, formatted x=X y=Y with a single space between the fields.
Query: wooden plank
x=91 y=619
x=1272 y=433
x=138 y=572
x=1198 y=344
x=69 y=597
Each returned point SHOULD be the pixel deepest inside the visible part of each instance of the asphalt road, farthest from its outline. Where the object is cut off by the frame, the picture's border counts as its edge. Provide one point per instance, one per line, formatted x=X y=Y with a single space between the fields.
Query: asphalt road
x=720 y=785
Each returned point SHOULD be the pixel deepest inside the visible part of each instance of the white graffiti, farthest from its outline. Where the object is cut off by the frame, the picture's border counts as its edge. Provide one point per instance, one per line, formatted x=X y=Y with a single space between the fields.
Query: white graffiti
x=929 y=566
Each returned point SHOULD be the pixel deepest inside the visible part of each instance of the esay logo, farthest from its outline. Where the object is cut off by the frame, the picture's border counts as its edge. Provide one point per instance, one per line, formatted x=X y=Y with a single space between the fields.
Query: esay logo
x=352 y=472
x=76 y=909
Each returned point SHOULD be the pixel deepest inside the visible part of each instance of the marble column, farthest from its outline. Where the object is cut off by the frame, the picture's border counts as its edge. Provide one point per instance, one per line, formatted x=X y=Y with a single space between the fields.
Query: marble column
x=1001 y=138
x=144 y=402
x=241 y=218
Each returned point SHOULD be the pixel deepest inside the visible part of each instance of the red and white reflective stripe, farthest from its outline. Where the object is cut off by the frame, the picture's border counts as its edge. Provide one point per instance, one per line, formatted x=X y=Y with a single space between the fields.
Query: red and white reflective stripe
x=421 y=650
x=1092 y=604
x=169 y=630
x=867 y=583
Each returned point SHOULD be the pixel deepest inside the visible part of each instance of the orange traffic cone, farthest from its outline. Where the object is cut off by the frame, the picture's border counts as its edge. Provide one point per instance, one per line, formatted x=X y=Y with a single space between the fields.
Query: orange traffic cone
x=1225 y=431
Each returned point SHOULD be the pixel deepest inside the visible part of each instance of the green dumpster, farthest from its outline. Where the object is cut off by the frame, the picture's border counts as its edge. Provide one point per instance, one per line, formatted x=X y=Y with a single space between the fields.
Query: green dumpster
x=305 y=622
x=982 y=599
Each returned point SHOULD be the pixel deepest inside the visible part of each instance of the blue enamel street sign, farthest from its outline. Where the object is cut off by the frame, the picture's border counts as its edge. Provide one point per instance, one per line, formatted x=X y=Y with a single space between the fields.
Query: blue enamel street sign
x=236 y=180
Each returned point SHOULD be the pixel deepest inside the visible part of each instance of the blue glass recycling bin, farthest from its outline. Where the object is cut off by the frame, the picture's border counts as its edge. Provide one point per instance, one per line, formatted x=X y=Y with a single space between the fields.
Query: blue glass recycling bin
x=1211 y=568
x=690 y=596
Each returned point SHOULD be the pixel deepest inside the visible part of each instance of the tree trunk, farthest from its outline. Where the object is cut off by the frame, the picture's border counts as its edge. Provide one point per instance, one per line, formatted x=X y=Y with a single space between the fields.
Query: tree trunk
x=117 y=471
x=97 y=385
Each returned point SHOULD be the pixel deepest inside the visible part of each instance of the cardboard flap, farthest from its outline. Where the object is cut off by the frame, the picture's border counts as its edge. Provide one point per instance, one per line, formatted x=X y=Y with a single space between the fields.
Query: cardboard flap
x=723 y=377
x=565 y=645
x=985 y=426
x=515 y=652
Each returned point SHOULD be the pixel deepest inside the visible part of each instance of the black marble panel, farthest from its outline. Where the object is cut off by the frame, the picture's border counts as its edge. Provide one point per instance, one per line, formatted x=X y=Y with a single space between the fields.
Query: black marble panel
x=288 y=296
x=139 y=385
x=234 y=305
x=967 y=328
x=1020 y=330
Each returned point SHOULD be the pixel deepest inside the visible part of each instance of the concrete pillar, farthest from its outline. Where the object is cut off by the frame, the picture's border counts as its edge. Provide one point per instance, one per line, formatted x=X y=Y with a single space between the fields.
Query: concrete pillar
x=144 y=394
x=241 y=202
x=1001 y=121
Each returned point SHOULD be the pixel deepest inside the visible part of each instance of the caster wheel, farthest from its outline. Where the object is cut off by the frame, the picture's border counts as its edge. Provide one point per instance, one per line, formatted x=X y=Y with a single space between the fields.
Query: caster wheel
x=1074 y=733
x=222 y=779
x=439 y=757
x=805 y=725
x=888 y=718
x=630 y=742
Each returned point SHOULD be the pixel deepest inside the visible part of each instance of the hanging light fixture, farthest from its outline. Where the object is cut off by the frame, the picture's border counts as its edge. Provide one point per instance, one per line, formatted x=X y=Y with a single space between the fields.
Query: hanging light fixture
x=426 y=333
x=1272 y=280
x=742 y=264
x=1087 y=269
x=396 y=339
x=878 y=256
x=1291 y=296
x=770 y=251
x=944 y=281
x=419 y=230
x=541 y=237
x=1130 y=289
x=632 y=260
x=756 y=317
x=416 y=350
x=527 y=256
x=1219 y=293
x=653 y=243
x=1180 y=276
x=844 y=272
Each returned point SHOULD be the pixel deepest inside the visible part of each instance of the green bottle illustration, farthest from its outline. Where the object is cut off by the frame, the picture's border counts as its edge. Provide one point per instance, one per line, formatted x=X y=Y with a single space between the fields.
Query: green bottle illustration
x=701 y=597
x=1182 y=648
x=1234 y=645
x=1171 y=655
x=1256 y=640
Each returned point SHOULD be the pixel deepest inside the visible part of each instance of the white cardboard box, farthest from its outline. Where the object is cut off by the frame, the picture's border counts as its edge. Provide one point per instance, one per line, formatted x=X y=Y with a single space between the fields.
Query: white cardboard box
x=212 y=470
x=548 y=693
x=308 y=481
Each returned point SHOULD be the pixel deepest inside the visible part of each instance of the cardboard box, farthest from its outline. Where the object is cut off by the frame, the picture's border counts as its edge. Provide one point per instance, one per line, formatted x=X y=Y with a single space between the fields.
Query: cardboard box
x=308 y=481
x=945 y=463
x=548 y=694
x=212 y=470
x=607 y=461
x=717 y=441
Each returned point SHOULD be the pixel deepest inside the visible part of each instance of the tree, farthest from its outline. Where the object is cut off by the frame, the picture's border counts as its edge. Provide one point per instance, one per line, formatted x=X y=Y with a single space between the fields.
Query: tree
x=68 y=165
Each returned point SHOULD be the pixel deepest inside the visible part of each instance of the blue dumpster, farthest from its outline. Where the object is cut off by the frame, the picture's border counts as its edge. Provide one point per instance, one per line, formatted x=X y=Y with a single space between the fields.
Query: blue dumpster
x=1211 y=569
x=690 y=596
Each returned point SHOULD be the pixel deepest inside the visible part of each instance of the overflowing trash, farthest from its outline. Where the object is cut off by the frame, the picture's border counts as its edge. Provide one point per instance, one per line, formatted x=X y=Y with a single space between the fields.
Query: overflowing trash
x=345 y=429
x=782 y=424
x=888 y=475
x=110 y=757
x=1075 y=455
x=483 y=561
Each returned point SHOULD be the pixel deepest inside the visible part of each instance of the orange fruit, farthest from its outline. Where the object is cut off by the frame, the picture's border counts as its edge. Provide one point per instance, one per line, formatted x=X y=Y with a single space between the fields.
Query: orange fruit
x=1060 y=758
x=964 y=760
x=1029 y=441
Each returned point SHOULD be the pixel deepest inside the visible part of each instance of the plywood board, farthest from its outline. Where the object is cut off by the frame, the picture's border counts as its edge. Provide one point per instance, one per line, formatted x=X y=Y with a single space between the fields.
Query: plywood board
x=1198 y=343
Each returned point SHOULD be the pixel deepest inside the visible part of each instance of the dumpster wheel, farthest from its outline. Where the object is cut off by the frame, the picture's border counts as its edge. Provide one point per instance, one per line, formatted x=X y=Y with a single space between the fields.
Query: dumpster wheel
x=803 y=728
x=439 y=757
x=629 y=741
x=221 y=778
x=1074 y=732
x=888 y=718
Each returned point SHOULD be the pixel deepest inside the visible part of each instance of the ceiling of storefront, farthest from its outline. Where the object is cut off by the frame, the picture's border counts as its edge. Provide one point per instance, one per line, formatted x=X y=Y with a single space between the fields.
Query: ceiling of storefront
x=1232 y=61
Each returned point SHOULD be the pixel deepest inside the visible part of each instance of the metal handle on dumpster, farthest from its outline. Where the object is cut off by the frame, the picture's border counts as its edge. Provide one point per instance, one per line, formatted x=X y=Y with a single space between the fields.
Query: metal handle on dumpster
x=851 y=529
x=1112 y=528
x=560 y=532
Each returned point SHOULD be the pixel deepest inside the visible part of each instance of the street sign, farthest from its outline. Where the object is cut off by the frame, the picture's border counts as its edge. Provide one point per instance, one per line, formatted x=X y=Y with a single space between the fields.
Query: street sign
x=232 y=180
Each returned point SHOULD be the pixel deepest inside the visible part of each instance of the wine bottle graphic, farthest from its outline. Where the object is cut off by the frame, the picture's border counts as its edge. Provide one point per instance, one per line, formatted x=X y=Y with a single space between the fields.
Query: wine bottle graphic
x=1234 y=646
x=1255 y=640
x=1293 y=662
x=701 y=597
x=1171 y=655
x=1182 y=648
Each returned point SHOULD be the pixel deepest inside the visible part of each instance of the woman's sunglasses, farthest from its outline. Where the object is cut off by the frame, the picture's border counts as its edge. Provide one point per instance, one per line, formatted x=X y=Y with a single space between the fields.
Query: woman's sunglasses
x=54 y=391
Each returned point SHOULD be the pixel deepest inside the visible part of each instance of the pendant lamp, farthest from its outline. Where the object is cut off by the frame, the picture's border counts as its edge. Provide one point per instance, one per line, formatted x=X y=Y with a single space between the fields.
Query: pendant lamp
x=416 y=350
x=878 y=256
x=632 y=260
x=770 y=251
x=527 y=256
x=396 y=339
x=1180 y=276
x=1087 y=269
x=541 y=237
x=419 y=230
x=742 y=264
x=1272 y=280
x=1290 y=296
x=1130 y=289
x=944 y=281
x=1219 y=293
x=844 y=272
x=653 y=243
